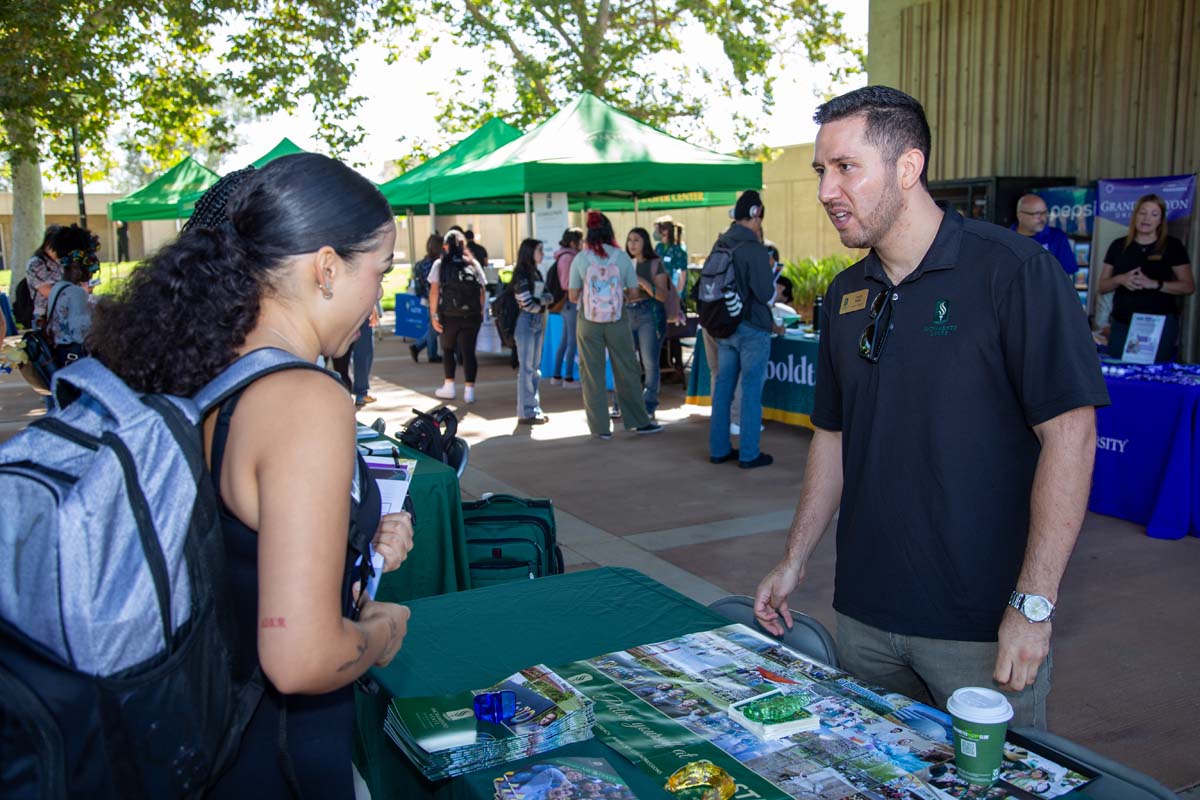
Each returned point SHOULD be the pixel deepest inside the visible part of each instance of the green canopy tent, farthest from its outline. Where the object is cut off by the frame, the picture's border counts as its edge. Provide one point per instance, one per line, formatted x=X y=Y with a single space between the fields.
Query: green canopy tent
x=414 y=189
x=598 y=155
x=170 y=196
x=286 y=147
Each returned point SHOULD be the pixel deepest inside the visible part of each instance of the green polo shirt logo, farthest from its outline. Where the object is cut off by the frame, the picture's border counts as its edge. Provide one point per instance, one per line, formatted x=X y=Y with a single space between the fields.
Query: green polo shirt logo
x=941 y=325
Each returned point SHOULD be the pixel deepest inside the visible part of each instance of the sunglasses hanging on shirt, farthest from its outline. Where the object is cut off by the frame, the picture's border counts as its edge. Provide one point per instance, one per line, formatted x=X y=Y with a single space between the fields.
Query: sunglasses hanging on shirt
x=874 y=336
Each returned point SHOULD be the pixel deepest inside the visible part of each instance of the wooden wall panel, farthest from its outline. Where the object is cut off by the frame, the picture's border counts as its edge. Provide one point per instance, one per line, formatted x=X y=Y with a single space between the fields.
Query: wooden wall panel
x=1107 y=88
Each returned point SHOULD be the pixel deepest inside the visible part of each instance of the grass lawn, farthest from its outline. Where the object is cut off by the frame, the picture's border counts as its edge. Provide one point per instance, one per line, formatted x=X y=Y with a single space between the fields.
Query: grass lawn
x=113 y=274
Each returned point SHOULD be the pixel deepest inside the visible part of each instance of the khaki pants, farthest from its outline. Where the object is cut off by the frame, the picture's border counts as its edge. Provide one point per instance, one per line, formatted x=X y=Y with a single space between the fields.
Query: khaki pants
x=615 y=337
x=925 y=669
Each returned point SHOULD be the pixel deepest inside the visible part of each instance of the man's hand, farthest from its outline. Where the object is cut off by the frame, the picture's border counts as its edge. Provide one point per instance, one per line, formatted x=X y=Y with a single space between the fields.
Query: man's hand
x=770 y=601
x=1024 y=645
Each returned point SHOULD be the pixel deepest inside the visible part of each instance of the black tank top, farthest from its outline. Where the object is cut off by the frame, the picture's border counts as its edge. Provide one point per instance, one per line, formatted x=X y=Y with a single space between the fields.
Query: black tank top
x=314 y=738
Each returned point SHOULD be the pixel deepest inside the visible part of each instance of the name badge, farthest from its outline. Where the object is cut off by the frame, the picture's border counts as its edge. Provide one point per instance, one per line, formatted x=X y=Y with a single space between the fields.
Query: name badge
x=855 y=301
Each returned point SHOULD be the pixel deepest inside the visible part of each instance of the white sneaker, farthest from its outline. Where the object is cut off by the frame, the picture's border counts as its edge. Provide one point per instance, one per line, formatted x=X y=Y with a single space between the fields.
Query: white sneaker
x=469 y=394
x=555 y=381
x=447 y=391
x=571 y=384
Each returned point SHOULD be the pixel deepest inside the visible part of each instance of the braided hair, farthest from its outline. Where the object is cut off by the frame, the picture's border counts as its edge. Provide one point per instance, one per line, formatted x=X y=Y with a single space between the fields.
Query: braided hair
x=182 y=316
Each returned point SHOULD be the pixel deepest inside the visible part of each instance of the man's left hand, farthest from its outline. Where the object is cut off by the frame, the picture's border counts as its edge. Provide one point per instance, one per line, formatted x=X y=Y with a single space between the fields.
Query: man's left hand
x=1024 y=645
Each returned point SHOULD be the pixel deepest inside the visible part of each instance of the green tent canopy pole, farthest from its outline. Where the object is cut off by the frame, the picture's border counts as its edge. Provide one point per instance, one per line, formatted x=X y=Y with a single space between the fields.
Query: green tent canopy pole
x=636 y=222
x=432 y=221
x=528 y=216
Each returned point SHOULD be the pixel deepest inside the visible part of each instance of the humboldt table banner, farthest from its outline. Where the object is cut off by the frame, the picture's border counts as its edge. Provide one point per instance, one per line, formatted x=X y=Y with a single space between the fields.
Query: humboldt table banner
x=665 y=705
x=791 y=383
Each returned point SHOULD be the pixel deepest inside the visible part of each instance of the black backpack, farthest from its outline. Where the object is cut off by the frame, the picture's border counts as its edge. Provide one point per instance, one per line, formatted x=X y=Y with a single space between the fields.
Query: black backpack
x=420 y=278
x=717 y=295
x=459 y=289
x=505 y=312
x=22 y=304
x=431 y=432
x=556 y=290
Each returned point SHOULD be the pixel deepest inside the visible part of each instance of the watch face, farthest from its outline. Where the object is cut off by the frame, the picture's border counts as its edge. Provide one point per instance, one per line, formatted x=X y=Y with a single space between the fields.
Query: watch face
x=1037 y=608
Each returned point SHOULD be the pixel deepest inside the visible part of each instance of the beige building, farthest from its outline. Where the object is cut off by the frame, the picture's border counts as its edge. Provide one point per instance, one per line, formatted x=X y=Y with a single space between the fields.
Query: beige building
x=63 y=209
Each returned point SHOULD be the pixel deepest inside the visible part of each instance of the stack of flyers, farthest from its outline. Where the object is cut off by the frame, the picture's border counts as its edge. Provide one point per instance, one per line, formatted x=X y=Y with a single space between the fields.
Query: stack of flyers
x=443 y=738
x=776 y=714
x=561 y=778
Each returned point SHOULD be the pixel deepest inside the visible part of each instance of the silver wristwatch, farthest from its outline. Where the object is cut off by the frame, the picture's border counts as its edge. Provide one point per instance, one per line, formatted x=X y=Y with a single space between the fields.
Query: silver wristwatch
x=1033 y=607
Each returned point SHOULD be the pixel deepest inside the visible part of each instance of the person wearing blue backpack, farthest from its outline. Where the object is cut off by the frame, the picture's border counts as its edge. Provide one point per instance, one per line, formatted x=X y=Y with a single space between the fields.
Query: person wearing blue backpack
x=290 y=258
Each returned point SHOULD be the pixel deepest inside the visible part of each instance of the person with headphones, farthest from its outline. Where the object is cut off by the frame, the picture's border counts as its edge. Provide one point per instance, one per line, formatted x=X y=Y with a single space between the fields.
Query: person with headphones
x=744 y=354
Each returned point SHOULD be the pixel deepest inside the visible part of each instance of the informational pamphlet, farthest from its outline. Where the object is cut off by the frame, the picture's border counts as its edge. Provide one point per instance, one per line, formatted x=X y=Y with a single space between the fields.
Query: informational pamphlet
x=1145 y=333
x=393 y=476
x=563 y=778
x=443 y=737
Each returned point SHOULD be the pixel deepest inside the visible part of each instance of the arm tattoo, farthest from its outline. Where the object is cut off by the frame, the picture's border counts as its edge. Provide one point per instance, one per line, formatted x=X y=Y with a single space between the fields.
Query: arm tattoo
x=273 y=622
x=362 y=650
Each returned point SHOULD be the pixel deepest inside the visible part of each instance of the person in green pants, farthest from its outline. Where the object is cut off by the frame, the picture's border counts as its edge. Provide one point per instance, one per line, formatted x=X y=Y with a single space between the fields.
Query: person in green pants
x=602 y=279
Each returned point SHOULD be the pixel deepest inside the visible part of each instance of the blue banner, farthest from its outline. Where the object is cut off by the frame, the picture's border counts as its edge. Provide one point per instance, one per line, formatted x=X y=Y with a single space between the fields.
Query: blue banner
x=1118 y=197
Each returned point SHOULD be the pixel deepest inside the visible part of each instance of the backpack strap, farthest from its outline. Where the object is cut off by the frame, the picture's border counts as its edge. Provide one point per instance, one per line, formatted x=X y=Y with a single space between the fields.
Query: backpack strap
x=88 y=376
x=245 y=371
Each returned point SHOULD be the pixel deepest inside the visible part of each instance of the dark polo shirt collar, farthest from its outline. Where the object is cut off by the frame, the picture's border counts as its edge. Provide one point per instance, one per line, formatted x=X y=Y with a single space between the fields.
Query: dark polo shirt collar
x=942 y=254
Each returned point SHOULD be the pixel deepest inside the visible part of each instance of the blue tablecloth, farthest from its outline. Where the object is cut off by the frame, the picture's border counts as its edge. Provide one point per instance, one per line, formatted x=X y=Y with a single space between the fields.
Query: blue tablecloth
x=412 y=318
x=791 y=379
x=554 y=327
x=1148 y=455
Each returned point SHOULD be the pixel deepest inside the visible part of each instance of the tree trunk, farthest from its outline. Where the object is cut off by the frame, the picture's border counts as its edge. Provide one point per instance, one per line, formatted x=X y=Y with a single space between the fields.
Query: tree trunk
x=29 y=221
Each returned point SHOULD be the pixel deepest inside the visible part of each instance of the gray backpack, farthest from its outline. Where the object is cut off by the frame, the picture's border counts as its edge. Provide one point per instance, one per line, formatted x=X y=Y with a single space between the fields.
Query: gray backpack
x=116 y=633
x=718 y=298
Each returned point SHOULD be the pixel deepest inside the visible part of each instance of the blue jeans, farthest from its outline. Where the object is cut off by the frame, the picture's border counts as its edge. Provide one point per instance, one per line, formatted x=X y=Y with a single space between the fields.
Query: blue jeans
x=744 y=354
x=564 y=356
x=648 y=340
x=363 y=354
x=530 y=330
x=430 y=341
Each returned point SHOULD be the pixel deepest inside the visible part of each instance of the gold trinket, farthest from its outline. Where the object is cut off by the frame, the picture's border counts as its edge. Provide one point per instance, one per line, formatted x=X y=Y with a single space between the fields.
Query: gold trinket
x=701 y=780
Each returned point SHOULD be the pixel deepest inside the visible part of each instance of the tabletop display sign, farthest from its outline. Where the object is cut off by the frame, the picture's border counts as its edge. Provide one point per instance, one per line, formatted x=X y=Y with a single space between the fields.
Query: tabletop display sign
x=551 y=217
x=412 y=318
x=666 y=705
x=1145 y=333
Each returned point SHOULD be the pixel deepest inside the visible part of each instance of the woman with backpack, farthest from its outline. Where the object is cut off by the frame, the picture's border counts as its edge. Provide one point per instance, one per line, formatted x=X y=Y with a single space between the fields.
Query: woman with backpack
x=420 y=287
x=291 y=257
x=69 y=310
x=527 y=288
x=457 y=292
x=602 y=279
x=647 y=314
x=564 y=356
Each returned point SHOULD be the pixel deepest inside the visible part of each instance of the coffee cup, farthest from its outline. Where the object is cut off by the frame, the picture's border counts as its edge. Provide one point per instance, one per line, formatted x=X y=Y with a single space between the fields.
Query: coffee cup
x=980 y=718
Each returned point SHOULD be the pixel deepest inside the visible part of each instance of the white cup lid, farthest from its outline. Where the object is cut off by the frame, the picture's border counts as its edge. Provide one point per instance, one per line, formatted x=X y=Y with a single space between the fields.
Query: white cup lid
x=977 y=704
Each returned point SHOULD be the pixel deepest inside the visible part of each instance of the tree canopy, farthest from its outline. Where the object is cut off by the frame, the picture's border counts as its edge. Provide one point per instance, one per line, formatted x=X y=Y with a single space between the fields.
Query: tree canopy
x=544 y=52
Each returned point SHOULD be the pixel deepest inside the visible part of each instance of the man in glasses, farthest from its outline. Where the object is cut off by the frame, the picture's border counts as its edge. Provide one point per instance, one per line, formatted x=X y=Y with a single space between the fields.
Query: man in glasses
x=1033 y=221
x=955 y=426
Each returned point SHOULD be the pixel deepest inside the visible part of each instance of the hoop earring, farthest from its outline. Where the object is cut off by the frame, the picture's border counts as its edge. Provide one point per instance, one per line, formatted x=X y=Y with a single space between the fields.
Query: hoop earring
x=327 y=291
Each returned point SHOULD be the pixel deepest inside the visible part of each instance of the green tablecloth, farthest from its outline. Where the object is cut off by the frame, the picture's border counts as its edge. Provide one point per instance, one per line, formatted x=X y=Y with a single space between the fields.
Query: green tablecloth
x=438 y=561
x=791 y=380
x=472 y=639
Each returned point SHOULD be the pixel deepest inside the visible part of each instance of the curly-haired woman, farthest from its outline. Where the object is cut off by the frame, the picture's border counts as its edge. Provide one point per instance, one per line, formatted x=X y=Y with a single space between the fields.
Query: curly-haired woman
x=291 y=256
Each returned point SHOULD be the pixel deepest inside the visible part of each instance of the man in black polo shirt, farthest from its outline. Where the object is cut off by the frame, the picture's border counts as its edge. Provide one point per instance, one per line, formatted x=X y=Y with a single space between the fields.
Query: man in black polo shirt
x=955 y=425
